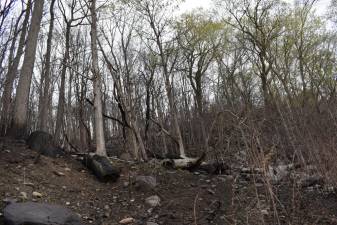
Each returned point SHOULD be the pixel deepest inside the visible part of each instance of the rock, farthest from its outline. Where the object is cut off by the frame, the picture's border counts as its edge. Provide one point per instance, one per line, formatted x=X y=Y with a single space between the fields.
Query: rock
x=225 y=178
x=125 y=156
x=151 y=223
x=309 y=181
x=23 y=195
x=37 y=194
x=60 y=174
x=210 y=191
x=245 y=170
x=29 y=184
x=150 y=210
x=127 y=221
x=37 y=213
x=264 y=212
x=106 y=215
x=101 y=167
x=153 y=201
x=214 y=168
x=241 y=156
x=145 y=183
x=43 y=143
x=279 y=172
x=8 y=201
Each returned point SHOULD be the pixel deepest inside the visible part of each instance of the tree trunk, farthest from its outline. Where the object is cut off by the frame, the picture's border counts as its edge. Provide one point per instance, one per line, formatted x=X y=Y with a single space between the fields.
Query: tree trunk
x=199 y=105
x=61 y=101
x=11 y=74
x=19 y=123
x=174 y=118
x=43 y=108
x=99 y=128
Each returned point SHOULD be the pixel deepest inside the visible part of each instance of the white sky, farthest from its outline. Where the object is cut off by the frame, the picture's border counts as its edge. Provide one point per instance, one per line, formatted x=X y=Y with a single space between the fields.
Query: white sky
x=320 y=6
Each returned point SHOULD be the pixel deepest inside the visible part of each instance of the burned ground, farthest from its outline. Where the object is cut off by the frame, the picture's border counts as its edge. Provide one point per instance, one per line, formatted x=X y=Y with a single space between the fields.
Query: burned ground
x=186 y=198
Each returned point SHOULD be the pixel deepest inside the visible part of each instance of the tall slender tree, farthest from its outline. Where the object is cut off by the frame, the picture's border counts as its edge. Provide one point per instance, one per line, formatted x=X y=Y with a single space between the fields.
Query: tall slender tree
x=6 y=99
x=99 y=128
x=43 y=107
x=19 y=122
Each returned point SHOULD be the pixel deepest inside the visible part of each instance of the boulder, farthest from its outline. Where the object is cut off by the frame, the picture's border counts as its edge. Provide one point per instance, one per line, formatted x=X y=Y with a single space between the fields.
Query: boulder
x=125 y=156
x=145 y=183
x=43 y=143
x=101 y=167
x=39 y=214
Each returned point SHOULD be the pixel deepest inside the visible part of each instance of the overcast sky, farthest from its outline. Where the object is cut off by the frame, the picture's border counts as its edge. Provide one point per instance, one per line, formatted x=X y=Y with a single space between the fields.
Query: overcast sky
x=321 y=5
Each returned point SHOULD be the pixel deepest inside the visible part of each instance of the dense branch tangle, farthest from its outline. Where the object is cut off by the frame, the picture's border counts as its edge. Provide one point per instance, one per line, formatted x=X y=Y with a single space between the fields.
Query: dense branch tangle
x=134 y=77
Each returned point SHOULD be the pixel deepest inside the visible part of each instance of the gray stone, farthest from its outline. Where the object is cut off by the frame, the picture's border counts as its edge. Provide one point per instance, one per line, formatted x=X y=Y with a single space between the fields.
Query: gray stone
x=43 y=143
x=145 y=183
x=279 y=172
x=151 y=223
x=310 y=181
x=125 y=156
x=264 y=212
x=23 y=195
x=153 y=201
x=37 y=194
x=127 y=220
x=39 y=214
x=8 y=201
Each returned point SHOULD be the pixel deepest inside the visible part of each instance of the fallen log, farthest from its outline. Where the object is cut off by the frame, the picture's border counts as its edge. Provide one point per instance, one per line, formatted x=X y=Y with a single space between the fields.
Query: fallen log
x=101 y=167
x=214 y=168
x=185 y=163
x=196 y=164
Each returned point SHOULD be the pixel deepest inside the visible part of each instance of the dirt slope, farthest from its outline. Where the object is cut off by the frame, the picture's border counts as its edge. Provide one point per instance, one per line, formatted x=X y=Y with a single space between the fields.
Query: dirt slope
x=66 y=181
x=186 y=198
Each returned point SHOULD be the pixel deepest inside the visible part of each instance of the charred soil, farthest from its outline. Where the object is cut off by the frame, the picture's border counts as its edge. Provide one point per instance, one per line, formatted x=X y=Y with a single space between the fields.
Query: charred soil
x=185 y=197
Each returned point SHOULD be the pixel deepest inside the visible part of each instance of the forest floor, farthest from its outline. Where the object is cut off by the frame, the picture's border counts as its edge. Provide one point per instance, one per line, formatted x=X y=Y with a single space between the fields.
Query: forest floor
x=186 y=198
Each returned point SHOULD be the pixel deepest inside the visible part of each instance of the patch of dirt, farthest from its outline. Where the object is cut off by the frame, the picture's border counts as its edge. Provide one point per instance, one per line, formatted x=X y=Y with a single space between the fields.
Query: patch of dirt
x=108 y=203
x=186 y=198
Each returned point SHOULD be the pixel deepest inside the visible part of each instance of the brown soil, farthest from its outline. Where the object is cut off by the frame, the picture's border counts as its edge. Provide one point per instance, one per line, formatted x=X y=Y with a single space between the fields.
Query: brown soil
x=186 y=198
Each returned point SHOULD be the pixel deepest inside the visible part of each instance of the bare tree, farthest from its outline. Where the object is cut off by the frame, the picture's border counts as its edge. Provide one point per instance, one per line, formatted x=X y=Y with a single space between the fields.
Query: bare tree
x=73 y=8
x=99 y=128
x=200 y=41
x=123 y=71
x=260 y=25
x=19 y=123
x=154 y=14
x=43 y=107
x=6 y=99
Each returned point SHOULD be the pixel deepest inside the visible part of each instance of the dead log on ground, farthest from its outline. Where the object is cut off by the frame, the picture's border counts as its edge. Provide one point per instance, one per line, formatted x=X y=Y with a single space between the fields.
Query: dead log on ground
x=184 y=163
x=101 y=167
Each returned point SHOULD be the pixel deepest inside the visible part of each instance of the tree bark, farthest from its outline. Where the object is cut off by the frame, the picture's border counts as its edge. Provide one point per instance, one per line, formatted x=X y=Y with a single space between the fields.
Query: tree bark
x=99 y=128
x=61 y=101
x=43 y=108
x=19 y=122
x=6 y=99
